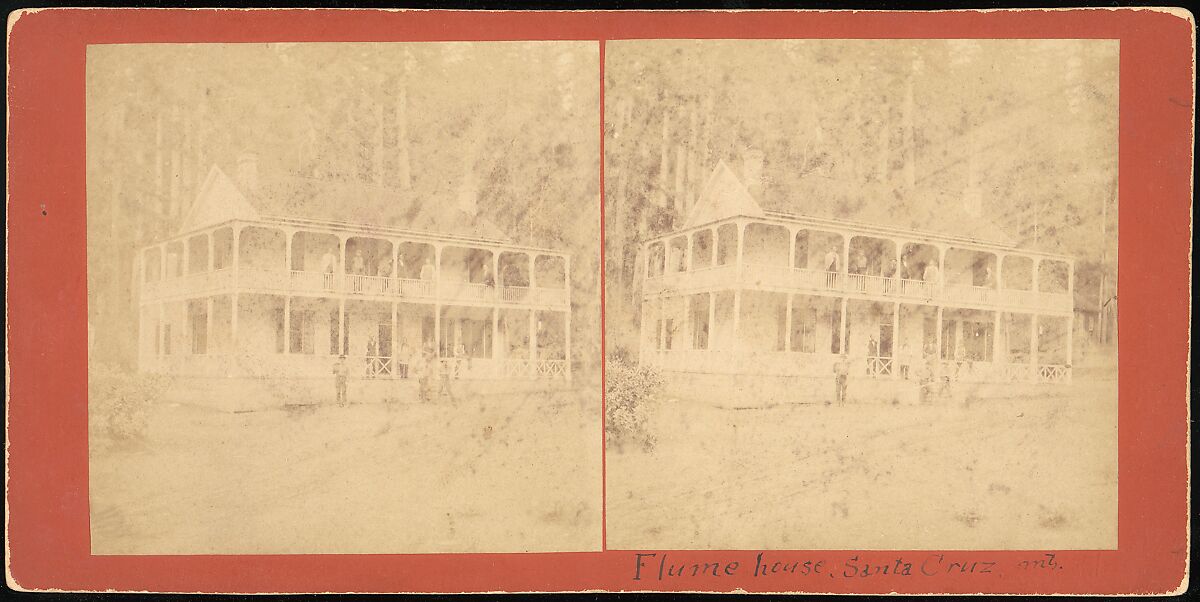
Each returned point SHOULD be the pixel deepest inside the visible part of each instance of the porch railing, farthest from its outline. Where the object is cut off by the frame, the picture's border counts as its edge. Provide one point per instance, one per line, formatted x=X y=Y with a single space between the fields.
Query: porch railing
x=302 y=281
x=878 y=366
x=817 y=281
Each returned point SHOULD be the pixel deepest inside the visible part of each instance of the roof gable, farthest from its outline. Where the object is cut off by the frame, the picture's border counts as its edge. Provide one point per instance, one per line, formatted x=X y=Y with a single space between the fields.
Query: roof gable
x=723 y=196
x=218 y=201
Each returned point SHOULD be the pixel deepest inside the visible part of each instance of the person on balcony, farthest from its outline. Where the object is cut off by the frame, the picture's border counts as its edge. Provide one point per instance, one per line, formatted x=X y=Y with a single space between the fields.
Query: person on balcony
x=340 y=374
x=488 y=279
x=404 y=357
x=384 y=270
x=831 y=260
x=328 y=263
x=427 y=269
x=931 y=275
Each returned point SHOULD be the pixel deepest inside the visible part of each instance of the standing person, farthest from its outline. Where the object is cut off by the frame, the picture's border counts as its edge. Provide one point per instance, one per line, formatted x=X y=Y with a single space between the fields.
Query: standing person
x=841 y=374
x=328 y=262
x=403 y=359
x=831 y=260
x=427 y=269
x=340 y=374
x=385 y=268
x=489 y=280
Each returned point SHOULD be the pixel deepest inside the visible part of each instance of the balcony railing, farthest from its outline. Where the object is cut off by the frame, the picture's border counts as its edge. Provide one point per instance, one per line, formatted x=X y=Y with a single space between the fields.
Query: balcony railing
x=820 y=281
x=305 y=282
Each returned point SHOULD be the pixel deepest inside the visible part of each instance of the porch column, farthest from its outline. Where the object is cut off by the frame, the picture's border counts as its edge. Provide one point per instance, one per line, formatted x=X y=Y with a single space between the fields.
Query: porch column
x=495 y=333
x=937 y=353
x=437 y=330
x=1036 y=262
x=341 y=266
x=532 y=274
x=899 y=260
x=645 y=263
x=237 y=254
x=713 y=251
x=208 y=329
x=941 y=283
x=1070 y=337
x=211 y=251
x=1033 y=345
x=1000 y=272
x=187 y=327
x=842 y=328
x=233 y=323
x=496 y=269
x=787 y=320
x=712 y=318
x=687 y=256
x=533 y=338
x=567 y=341
x=395 y=348
x=741 y=247
x=287 y=250
x=287 y=324
x=162 y=330
x=896 y=336
x=662 y=324
x=791 y=256
x=689 y=336
x=737 y=315
x=341 y=342
x=958 y=333
x=996 y=346
x=395 y=261
x=845 y=267
x=567 y=315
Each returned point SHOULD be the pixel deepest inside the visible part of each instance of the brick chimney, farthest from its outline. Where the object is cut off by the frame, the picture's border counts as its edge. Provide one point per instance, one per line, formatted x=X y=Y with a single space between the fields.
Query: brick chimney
x=752 y=169
x=247 y=172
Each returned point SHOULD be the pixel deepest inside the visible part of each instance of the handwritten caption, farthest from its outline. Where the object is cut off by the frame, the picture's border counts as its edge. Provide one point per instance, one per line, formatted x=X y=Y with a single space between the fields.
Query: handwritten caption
x=659 y=566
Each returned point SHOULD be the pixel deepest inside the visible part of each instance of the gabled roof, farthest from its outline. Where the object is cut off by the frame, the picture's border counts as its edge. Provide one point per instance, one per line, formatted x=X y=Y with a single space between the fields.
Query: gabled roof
x=873 y=203
x=723 y=196
x=293 y=197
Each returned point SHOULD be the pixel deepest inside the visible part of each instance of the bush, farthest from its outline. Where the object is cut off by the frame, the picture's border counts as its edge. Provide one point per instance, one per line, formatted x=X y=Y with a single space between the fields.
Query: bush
x=119 y=401
x=629 y=389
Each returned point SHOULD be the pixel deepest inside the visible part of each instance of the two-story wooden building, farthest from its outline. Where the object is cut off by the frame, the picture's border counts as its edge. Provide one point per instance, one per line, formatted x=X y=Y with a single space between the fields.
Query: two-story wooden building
x=742 y=289
x=278 y=278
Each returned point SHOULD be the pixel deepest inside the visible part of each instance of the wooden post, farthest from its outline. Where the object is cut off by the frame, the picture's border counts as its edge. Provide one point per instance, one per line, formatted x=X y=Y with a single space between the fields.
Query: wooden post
x=996 y=346
x=396 y=359
x=937 y=353
x=999 y=271
x=567 y=316
x=896 y=337
x=237 y=254
x=287 y=252
x=287 y=324
x=208 y=326
x=712 y=319
x=211 y=252
x=787 y=324
x=735 y=345
x=233 y=323
x=842 y=327
x=533 y=342
x=791 y=253
x=1033 y=346
x=341 y=342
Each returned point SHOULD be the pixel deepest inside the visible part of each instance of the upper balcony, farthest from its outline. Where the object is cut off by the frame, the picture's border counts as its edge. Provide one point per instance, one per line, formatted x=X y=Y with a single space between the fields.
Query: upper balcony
x=293 y=262
x=748 y=254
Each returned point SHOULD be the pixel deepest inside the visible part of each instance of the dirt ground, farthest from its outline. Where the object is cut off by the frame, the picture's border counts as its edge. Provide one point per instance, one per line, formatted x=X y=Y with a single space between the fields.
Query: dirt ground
x=997 y=474
x=498 y=473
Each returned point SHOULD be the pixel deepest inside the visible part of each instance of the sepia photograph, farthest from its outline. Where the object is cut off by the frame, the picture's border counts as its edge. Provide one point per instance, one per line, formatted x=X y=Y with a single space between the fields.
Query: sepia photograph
x=344 y=298
x=861 y=294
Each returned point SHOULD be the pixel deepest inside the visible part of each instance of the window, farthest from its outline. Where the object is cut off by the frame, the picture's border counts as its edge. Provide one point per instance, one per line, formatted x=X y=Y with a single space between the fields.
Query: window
x=668 y=332
x=279 y=338
x=804 y=332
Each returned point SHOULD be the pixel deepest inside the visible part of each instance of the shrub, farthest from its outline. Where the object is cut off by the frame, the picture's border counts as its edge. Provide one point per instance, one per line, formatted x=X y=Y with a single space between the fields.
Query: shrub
x=629 y=389
x=120 y=401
